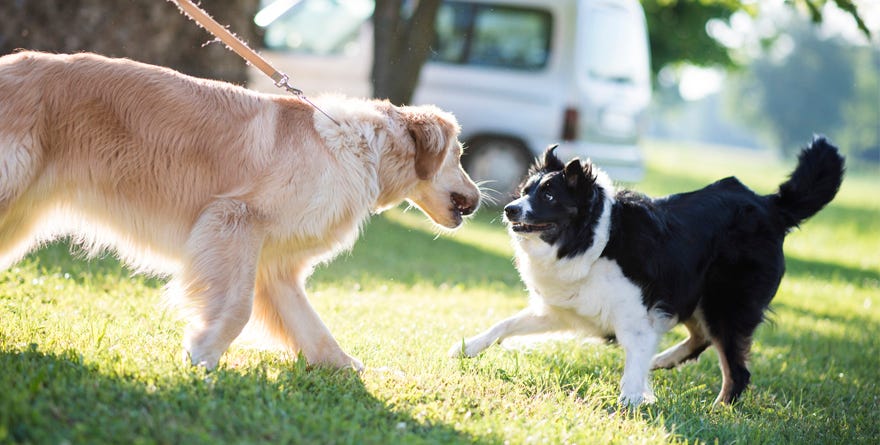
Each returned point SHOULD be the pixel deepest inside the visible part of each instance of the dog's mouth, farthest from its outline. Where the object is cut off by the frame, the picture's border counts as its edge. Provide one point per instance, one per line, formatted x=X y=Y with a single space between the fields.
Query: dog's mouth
x=461 y=207
x=521 y=227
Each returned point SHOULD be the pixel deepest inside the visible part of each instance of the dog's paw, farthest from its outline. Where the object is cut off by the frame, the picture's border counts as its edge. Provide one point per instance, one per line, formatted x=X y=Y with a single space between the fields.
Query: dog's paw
x=464 y=349
x=204 y=360
x=661 y=362
x=355 y=365
x=350 y=363
x=340 y=361
x=457 y=350
x=635 y=399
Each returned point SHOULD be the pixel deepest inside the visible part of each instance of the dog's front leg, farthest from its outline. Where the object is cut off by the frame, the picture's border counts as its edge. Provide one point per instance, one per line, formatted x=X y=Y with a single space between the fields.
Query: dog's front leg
x=639 y=342
x=282 y=307
x=527 y=321
x=216 y=282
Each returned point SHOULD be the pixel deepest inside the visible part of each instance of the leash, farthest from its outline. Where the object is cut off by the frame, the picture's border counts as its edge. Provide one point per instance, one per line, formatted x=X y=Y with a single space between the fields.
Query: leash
x=281 y=80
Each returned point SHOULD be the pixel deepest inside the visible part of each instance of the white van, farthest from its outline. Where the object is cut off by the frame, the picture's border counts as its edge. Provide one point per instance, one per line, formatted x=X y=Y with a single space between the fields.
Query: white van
x=518 y=74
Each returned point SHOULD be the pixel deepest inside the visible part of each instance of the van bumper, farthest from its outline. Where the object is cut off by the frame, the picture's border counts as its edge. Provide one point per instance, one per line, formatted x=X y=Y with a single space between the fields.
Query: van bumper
x=622 y=162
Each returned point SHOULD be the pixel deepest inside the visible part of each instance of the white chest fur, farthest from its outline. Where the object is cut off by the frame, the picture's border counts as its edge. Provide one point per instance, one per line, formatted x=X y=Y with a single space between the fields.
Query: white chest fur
x=593 y=297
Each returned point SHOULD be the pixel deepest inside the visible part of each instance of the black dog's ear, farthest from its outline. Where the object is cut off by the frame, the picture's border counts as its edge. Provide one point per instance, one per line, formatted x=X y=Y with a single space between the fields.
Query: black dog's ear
x=588 y=172
x=551 y=162
x=574 y=174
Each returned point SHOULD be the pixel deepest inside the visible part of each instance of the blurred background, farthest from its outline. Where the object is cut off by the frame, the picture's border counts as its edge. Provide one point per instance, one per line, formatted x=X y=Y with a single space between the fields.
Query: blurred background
x=598 y=76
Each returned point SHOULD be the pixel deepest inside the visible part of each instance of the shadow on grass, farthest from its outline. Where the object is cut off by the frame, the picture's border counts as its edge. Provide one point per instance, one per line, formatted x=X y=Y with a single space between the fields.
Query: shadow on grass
x=830 y=271
x=59 y=399
x=62 y=399
x=62 y=257
x=864 y=220
x=390 y=251
x=808 y=386
x=50 y=398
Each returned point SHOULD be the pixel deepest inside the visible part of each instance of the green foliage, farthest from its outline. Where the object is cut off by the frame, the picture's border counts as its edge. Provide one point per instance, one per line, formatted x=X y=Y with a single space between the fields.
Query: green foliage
x=89 y=354
x=804 y=89
x=677 y=28
x=677 y=32
x=819 y=85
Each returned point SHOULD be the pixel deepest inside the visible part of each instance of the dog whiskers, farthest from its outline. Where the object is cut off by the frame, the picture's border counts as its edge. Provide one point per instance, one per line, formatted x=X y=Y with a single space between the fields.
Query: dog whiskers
x=488 y=194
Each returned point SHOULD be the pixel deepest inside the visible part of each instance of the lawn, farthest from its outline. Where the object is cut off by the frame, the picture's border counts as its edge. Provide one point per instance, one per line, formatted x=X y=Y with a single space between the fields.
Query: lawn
x=89 y=353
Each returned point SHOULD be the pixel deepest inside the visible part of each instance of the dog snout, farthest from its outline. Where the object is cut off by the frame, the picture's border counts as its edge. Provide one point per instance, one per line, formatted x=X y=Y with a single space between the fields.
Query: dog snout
x=513 y=212
x=464 y=205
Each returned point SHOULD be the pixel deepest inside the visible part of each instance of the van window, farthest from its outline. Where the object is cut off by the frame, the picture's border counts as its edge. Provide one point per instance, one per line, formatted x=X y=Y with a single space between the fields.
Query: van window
x=313 y=26
x=492 y=36
x=615 y=45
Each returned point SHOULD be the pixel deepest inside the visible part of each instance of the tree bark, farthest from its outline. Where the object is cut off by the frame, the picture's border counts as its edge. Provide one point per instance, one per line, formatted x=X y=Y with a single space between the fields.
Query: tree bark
x=150 y=31
x=400 y=47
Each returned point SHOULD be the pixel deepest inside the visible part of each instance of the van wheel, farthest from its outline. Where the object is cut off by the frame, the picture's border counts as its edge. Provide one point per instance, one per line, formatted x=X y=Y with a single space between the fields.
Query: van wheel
x=499 y=163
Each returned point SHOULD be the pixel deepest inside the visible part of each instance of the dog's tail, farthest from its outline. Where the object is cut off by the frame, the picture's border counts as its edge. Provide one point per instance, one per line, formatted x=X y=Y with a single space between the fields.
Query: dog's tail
x=812 y=185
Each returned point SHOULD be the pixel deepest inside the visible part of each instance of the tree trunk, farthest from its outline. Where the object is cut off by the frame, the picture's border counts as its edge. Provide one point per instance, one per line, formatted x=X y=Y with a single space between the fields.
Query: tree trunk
x=400 y=47
x=151 y=31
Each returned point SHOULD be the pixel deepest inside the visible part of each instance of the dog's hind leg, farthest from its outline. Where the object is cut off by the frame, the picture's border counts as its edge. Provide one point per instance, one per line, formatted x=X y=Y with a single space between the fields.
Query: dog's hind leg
x=528 y=321
x=732 y=354
x=23 y=226
x=731 y=320
x=735 y=299
x=20 y=154
x=17 y=237
x=217 y=279
x=282 y=308
x=689 y=349
x=18 y=216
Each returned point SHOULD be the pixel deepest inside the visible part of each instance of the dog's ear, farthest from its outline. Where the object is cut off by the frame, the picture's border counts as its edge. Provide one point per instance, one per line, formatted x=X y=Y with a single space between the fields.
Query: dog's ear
x=589 y=174
x=431 y=132
x=588 y=170
x=551 y=163
x=574 y=174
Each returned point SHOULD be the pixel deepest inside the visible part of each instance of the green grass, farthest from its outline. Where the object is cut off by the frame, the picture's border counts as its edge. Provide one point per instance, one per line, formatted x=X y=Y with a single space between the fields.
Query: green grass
x=89 y=354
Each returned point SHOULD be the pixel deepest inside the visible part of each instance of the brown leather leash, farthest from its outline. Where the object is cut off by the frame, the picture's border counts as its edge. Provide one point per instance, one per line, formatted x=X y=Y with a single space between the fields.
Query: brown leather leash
x=281 y=80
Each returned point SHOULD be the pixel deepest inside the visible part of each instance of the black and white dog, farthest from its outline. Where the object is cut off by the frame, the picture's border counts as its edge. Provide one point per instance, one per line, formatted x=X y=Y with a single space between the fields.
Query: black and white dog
x=618 y=263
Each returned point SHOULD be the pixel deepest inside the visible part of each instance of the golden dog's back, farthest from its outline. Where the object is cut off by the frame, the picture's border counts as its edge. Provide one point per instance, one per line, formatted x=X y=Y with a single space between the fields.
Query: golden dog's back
x=124 y=147
x=114 y=118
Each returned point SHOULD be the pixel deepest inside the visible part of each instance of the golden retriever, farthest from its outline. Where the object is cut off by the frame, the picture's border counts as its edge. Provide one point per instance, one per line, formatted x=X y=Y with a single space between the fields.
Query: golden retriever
x=234 y=194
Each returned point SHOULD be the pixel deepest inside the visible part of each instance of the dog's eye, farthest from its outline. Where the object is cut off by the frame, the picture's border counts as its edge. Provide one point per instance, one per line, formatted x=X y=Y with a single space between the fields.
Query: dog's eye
x=547 y=196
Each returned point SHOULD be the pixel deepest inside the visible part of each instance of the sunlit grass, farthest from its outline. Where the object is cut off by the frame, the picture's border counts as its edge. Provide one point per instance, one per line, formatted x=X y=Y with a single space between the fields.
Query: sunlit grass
x=89 y=354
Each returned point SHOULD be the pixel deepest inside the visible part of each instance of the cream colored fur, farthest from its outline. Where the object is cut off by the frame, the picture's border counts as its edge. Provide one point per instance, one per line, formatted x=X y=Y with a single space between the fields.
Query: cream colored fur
x=236 y=195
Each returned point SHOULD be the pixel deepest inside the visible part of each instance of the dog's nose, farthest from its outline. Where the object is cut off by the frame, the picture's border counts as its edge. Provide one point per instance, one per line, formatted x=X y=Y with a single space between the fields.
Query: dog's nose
x=512 y=211
x=463 y=204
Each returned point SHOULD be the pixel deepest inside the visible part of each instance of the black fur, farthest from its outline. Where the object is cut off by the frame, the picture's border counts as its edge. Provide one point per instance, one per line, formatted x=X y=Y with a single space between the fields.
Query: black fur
x=812 y=185
x=718 y=249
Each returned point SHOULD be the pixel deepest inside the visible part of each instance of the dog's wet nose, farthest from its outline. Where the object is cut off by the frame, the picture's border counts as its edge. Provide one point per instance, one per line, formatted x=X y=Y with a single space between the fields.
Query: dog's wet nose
x=512 y=211
x=463 y=204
